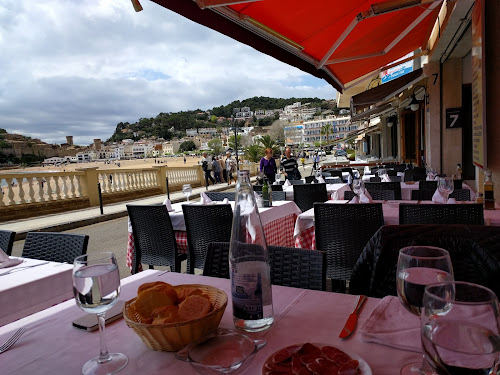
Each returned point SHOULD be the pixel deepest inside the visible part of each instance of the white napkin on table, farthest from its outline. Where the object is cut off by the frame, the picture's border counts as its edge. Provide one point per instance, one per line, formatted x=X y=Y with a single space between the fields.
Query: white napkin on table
x=438 y=197
x=386 y=178
x=349 y=179
x=354 y=200
x=287 y=183
x=225 y=201
x=204 y=199
x=168 y=204
x=276 y=182
x=321 y=180
x=367 y=170
x=428 y=179
x=335 y=195
x=5 y=261
x=451 y=201
x=365 y=197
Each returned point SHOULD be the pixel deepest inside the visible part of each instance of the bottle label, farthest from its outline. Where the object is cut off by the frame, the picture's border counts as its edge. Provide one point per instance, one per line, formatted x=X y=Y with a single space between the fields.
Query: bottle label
x=246 y=292
x=488 y=195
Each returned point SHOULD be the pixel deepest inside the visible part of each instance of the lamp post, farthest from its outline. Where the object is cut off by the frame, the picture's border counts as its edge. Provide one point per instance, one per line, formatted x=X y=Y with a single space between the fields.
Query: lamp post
x=415 y=104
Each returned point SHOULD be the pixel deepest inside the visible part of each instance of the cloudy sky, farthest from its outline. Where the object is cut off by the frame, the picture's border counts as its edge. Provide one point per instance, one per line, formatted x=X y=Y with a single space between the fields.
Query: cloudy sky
x=79 y=67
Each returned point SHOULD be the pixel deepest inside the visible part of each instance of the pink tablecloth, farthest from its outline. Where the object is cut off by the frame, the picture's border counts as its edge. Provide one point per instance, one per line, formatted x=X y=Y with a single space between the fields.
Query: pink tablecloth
x=278 y=221
x=52 y=346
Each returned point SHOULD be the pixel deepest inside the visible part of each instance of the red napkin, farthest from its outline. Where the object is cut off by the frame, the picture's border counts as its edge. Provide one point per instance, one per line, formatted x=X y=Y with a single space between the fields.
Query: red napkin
x=392 y=325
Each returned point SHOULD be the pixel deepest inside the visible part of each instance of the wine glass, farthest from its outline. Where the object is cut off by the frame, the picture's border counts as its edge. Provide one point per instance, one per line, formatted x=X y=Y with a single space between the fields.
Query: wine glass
x=187 y=190
x=460 y=329
x=96 y=286
x=358 y=187
x=417 y=267
x=445 y=186
x=431 y=172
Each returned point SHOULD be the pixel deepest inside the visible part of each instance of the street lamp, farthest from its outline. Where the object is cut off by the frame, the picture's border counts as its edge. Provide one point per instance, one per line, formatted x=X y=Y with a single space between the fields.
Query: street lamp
x=415 y=104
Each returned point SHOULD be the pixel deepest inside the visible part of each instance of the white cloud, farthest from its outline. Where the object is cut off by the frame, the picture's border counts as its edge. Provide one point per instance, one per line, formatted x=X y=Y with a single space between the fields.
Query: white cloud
x=80 y=67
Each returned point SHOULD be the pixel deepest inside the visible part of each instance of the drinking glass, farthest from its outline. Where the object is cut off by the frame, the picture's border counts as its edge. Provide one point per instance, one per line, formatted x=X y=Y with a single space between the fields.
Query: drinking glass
x=431 y=172
x=358 y=187
x=96 y=286
x=445 y=186
x=460 y=329
x=417 y=267
x=187 y=190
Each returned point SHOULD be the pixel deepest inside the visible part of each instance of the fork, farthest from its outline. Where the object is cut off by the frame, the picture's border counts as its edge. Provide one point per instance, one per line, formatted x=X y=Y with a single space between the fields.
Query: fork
x=22 y=268
x=6 y=346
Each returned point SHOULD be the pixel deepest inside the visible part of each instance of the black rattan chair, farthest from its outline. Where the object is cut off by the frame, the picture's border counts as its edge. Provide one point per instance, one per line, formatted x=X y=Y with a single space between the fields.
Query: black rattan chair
x=310 y=179
x=396 y=186
x=348 y=170
x=474 y=250
x=375 y=179
x=378 y=195
x=427 y=185
x=342 y=231
x=461 y=194
x=256 y=188
x=296 y=182
x=336 y=173
x=458 y=184
x=277 y=195
x=220 y=196
x=277 y=187
x=290 y=266
x=467 y=214
x=305 y=196
x=154 y=238
x=205 y=224
x=55 y=247
x=415 y=174
x=348 y=195
x=7 y=241
x=422 y=195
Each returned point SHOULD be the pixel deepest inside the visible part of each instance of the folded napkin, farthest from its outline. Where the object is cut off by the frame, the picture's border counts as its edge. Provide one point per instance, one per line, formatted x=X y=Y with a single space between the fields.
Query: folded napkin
x=312 y=182
x=349 y=179
x=365 y=197
x=204 y=199
x=5 y=261
x=225 y=201
x=276 y=182
x=386 y=178
x=367 y=170
x=287 y=183
x=429 y=179
x=392 y=325
x=438 y=197
x=451 y=201
x=354 y=200
x=335 y=195
x=321 y=180
x=168 y=204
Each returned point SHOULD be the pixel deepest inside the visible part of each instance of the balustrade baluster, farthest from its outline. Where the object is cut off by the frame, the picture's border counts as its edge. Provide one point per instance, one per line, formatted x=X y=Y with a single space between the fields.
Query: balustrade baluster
x=41 y=191
x=10 y=191
x=62 y=180
x=21 y=190
x=71 y=180
x=57 y=188
x=79 y=188
x=126 y=178
x=31 y=191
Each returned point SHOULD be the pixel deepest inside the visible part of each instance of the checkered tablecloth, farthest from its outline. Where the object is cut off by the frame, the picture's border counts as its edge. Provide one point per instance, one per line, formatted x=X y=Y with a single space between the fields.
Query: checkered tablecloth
x=306 y=239
x=278 y=232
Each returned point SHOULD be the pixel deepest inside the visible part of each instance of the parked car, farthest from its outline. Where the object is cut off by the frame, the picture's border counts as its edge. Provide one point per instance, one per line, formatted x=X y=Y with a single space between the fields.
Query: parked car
x=340 y=153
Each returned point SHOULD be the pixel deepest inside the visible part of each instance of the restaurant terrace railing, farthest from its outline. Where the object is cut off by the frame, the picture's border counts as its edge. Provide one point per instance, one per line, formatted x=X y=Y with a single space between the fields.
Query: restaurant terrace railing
x=37 y=193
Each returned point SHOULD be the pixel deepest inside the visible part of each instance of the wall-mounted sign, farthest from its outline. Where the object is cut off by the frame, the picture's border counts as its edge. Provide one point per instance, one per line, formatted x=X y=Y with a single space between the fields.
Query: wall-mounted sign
x=398 y=71
x=453 y=118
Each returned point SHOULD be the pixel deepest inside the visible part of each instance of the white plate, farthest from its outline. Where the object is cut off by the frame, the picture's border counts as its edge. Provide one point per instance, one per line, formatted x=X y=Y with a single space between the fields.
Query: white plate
x=363 y=365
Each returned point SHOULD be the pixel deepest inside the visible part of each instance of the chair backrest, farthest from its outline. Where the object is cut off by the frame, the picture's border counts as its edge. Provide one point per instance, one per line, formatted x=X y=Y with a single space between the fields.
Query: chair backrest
x=458 y=184
x=333 y=180
x=474 y=251
x=375 y=179
x=257 y=187
x=391 y=172
x=427 y=185
x=396 y=186
x=400 y=167
x=422 y=195
x=348 y=170
x=382 y=195
x=395 y=178
x=277 y=187
x=305 y=196
x=415 y=174
x=461 y=194
x=349 y=194
x=290 y=266
x=277 y=195
x=205 y=224
x=342 y=230
x=310 y=179
x=326 y=174
x=296 y=182
x=7 y=241
x=336 y=173
x=468 y=214
x=220 y=196
x=154 y=237
x=55 y=247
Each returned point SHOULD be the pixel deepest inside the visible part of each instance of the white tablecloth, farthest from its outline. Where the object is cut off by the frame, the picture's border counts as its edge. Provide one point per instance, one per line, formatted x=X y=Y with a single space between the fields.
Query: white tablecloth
x=407 y=188
x=331 y=188
x=30 y=290
x=51 y=344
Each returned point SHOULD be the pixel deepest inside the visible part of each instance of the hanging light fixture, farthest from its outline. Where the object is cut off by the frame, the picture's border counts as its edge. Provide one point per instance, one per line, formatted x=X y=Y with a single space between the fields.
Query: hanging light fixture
x=415 y=104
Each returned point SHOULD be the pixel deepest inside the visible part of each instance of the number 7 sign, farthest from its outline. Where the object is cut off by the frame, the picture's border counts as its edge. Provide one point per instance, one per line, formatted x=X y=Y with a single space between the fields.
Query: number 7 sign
x=453 y=118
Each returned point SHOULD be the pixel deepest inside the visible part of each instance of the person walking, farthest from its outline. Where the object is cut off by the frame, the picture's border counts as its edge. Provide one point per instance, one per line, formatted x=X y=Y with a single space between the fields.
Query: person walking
x=230 y=167
x=316 y=160
x=289 y=166
x=268 y=166
x=217 y=169
x=206 y=165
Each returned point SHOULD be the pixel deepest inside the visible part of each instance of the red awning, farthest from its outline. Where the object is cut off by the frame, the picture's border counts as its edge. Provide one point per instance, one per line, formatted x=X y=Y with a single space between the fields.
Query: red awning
x=335 y=40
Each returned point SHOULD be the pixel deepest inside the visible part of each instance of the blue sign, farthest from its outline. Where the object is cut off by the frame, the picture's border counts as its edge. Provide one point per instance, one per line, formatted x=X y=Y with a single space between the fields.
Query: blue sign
x=396 y=74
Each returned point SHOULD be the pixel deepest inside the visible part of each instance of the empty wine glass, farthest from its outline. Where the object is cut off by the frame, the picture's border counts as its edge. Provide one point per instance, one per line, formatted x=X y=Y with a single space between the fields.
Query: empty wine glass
x=358 y=187
x=187 y=190
x=417 y=267
x=96 y=286
x=460 y=329
x=445 y=186
x=431 y=173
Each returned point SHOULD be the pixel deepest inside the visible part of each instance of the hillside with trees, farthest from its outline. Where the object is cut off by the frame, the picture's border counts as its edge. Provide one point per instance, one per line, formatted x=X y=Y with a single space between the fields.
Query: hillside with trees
x=167 y=125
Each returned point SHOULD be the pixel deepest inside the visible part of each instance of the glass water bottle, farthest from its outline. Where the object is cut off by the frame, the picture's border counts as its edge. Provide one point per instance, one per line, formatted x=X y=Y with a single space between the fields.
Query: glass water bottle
x=249 y=263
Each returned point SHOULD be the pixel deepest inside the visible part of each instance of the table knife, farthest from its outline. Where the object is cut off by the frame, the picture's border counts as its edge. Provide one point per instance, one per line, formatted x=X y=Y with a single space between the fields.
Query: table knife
x=350 y=325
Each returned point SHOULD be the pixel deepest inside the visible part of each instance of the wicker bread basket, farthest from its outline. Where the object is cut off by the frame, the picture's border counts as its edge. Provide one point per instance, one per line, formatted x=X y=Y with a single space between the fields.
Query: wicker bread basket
x=174 y=336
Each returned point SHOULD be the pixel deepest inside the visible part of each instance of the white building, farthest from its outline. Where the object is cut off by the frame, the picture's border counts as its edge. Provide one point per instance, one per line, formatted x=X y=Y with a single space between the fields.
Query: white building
x=340 y=127
x=298 y=112
x=212 y=132
x=85 y=156
x=192 y=132
x=294 y=135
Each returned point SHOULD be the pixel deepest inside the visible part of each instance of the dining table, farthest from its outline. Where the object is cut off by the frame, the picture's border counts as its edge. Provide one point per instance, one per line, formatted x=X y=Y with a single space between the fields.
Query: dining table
x=32 y=286
x=304 y=234
x=51 y=345
x=278 y=222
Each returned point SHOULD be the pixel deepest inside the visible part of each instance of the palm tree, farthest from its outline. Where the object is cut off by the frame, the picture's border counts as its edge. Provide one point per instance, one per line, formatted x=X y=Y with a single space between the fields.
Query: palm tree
x=325 y=129
x=268 y=142
x=254 y=153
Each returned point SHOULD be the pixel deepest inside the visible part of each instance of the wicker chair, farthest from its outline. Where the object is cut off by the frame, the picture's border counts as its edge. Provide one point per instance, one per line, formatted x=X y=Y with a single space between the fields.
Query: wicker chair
x=205 y=224
x=427 y=185
x=336 y=173
x=396 y=186
x=342 y=230
x=277 y=195
x=277 y=187
x=474 y=250
x=467 y=214
x=461 y=194
x=391 y=172
x=348 y=195
x=154 y=238
x=310 y=179
x=7 y=241
x=458 y=184
x=290 y=266
x=296 y=182
x=257 y=188
x=220 y=196
x=377 y=195
x=375 y=179
x=415 y=174
x=422 y=195
x=55 y=247
x=305 y=196
x=348 y=170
